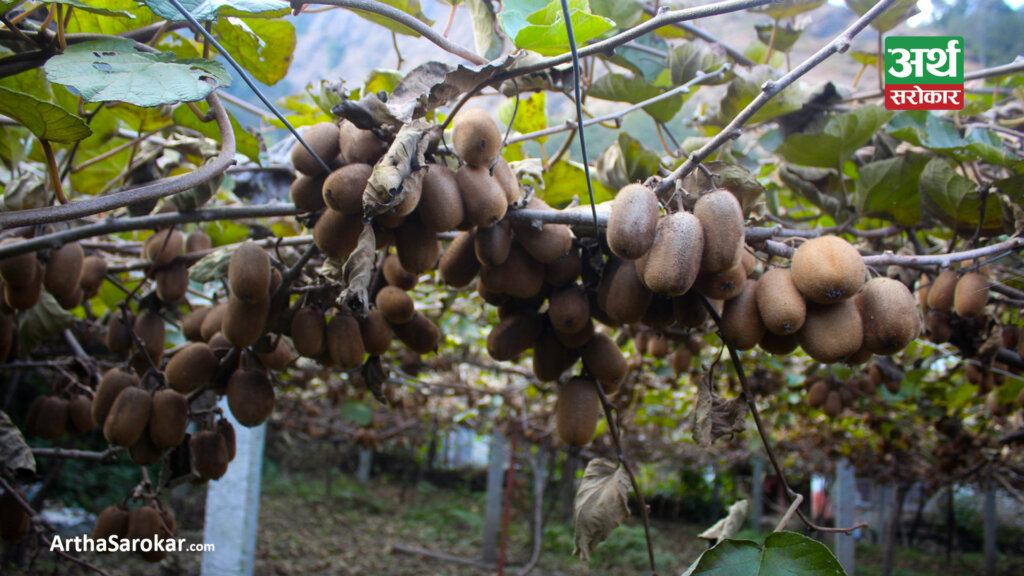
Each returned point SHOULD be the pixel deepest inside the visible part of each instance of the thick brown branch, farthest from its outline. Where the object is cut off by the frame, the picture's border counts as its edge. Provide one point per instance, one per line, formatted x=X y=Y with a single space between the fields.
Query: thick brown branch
x=108 y=456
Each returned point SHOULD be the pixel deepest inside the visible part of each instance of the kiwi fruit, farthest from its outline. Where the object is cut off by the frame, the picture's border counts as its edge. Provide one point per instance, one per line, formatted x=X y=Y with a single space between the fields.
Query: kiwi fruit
x=681 y=361
x=659 y=314
x=172 y=282
x=483 y=199
x=818 y=392
x=336 y=234
x=209 y=454
x=657 y=345
x=942 y=292
x=937 y=326
x=323 y=139
x=828 y=269
x=18 y=271
x=440 y=206
x=144 y=452
x=419 y=334
x=191 y=325
x=71 y=300
x=145 y=523
x=306 y=192
x=889 y=315
x=970 y=295
x=149 y=329
x=376 y=333
x=251 y=397
x=569 y=309
x=308 y=326
x=566 y=269
x=197 y=241
x=831 y=332
x=520 y=276
x=778 y=344
x=343 y=189
x=550 y=358
x=395 y=304
x=546 y=243
x=128 y=416
x=489 y=296
x=359 y=145
x=721 y=285
x=508 y=181
x=833 y=404
x=278 y=357
x=633 y=222
x=80 y=415
x=476 y=137
x=688 y=310
x=25 y=297
x=213 y=321
x=169 y=418
x=344 y=342
x=604 y=360
x=492 y=245
x=859 y=357
x=672 y=264
x=64 y=269
x=721 y=218
x=576 y=411
x=15 y=522
x=112 y=521
x=741 y=324
x=191 y=367
x=621 y=293
x=243 y=321
x=163 y=246
x=418 y=248
x=514 y=335
x=119 y=336
x=50 y=417
x=411 y=191
x=249 y=272
x=781 y=306
x=459 y=264
x=113 y=382
x=577 y=339
x=227 y=432
x=397 y=276
x=94 y=270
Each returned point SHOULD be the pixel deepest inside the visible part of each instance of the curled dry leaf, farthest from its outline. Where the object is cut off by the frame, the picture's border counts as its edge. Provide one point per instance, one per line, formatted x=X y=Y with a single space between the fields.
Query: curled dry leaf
x=715 y=416
x=15 y=455
x=403 y=161
x=357 y=274
x=600 y=505
x=729 y=526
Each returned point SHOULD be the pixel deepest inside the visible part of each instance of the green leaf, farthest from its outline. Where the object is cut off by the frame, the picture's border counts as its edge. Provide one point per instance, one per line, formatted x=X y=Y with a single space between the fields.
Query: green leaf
x=956 y=201
x=783 y=554
x=91 y=7
x=410 y=7
x=783 y=10
x=786 y=35
x=633 y=89
x=46 y=121
x=485 y=36
x=689 y=58
x=92 y=22
x=625 y=13
x=758 y=52
x=307 y=111
x=625 y=162
x=650 y=66
x=543 y=31
x=566 y=180
x=39 y=323
x=843 y=135
x=211 y=268
x=746 y=86
x=113 y=70
x=889 y=189
x=530 y=116
x=263 y=47
x=898 y=12
x=864 y=58
x=381 y=80
x=922 y=128
x=357 y=413
x=31 y=82
x=210 y=9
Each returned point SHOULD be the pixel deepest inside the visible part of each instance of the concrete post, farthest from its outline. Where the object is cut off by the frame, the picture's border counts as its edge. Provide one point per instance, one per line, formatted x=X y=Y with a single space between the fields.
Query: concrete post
x=990 y=526
x=495 y=480
x=756 y=492
x=365 y=465
x=844 y=504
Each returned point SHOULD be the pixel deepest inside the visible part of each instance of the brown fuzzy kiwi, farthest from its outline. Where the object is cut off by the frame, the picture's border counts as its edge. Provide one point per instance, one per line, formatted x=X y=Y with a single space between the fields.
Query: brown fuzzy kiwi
x=621 y=293
x=71 y=300
x=113 y=382
x=459 y=264
x=440 y=206
x=519 y=277
x=359 y=145
x=149 y=329
x=344 y=342
x=25 y=297
x=64 y=269
x=831 y=332
x=50 y=417
x=577 y=339
x=672 y=263
x=550 y=358
x=376 y=333
x=119 y=337
x=163 y=246
x=476 y=137
x=779 y=302
x=828 y=269
x=343 y=189
x=418 y=248
x=249 y=272
x=278 y=357
x=487 y=295
x=144 y=452
x=741 y=324
x=569 y=309
x=817 y=393
x=80 y=414
x=859 y=357
x=749 y=261
x=308 y=327
x=833 y=404
x=172 y=282
x=721 y=218
x=564 y=270
x=169 y=418
x=191 y=325
x=659 y=314
x=145 y=523
x=937 y=326
x=483 y=199
x=227 y=432
x=306 y=192
x=411 y=191
x=20 y=270
x=244 y=321
x=688 y=310
x=508 y=181
x=336 y=234
x=128 y=416
x=549 y=242
x=889 y=315
x=209 y=454
x=971 y=295
x=492 y=244
x=576 y=412
x=395 y=304
x=604 y=360
x=514 y=335
x=250 y=397
x=197 y=241
x=681 y=361
x=633 y=222
x=191 y=367
x=213 y=321
x=721 y=285
x=778 y=344
x=15 y=522
x=112 y=521
x=657 y=345
x=94 y=270
x=323 y=139
x=419 y=334
x=397 y=276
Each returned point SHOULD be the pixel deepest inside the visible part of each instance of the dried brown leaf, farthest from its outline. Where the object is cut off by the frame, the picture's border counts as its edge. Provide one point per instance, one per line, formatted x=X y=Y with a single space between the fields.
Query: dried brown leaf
x=600 y=504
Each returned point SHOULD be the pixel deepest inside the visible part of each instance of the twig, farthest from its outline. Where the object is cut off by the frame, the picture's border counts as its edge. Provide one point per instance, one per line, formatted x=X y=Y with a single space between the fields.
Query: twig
x=108 y=456
x=797 y=501
x=442 y=556
x=736 y=55
x=1009 y=488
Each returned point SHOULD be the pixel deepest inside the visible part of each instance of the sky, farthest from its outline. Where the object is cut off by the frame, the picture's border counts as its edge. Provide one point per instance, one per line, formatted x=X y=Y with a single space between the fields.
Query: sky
x=926 y=10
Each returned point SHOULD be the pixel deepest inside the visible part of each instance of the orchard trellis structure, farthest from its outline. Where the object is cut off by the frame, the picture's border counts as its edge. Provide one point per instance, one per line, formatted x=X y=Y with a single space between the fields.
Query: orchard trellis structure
x=921 y=175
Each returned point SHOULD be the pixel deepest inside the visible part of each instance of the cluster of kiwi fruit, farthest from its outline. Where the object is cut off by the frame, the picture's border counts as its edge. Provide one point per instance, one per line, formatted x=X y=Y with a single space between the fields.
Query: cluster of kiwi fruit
x=952 y=297
x=51 y=416
x=145 y=522
x=170 y=273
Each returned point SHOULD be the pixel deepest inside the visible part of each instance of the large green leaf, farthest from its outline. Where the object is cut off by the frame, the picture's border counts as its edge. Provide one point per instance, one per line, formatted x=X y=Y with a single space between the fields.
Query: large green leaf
x=245 y=142
x=747 y=86
x=889 y=189
x=783 y=554
x=530 y=116
x=640 y=61
x=925 y=129
x=39 y=323
x=843 y=135
x=91 y=22
x=783 y=10
x=485 y=36
x=955 y=200
x=210 y=9
x=625 y=13
x=378 y=80
x=786 y=35
x=633 y=89
x=543 y=30
x=567 y=180
x=689 y=58
x=46 y=121
x=410 y=7
x=262 y=46
x=113 y=70
x=625 y=162
x=891 y=17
